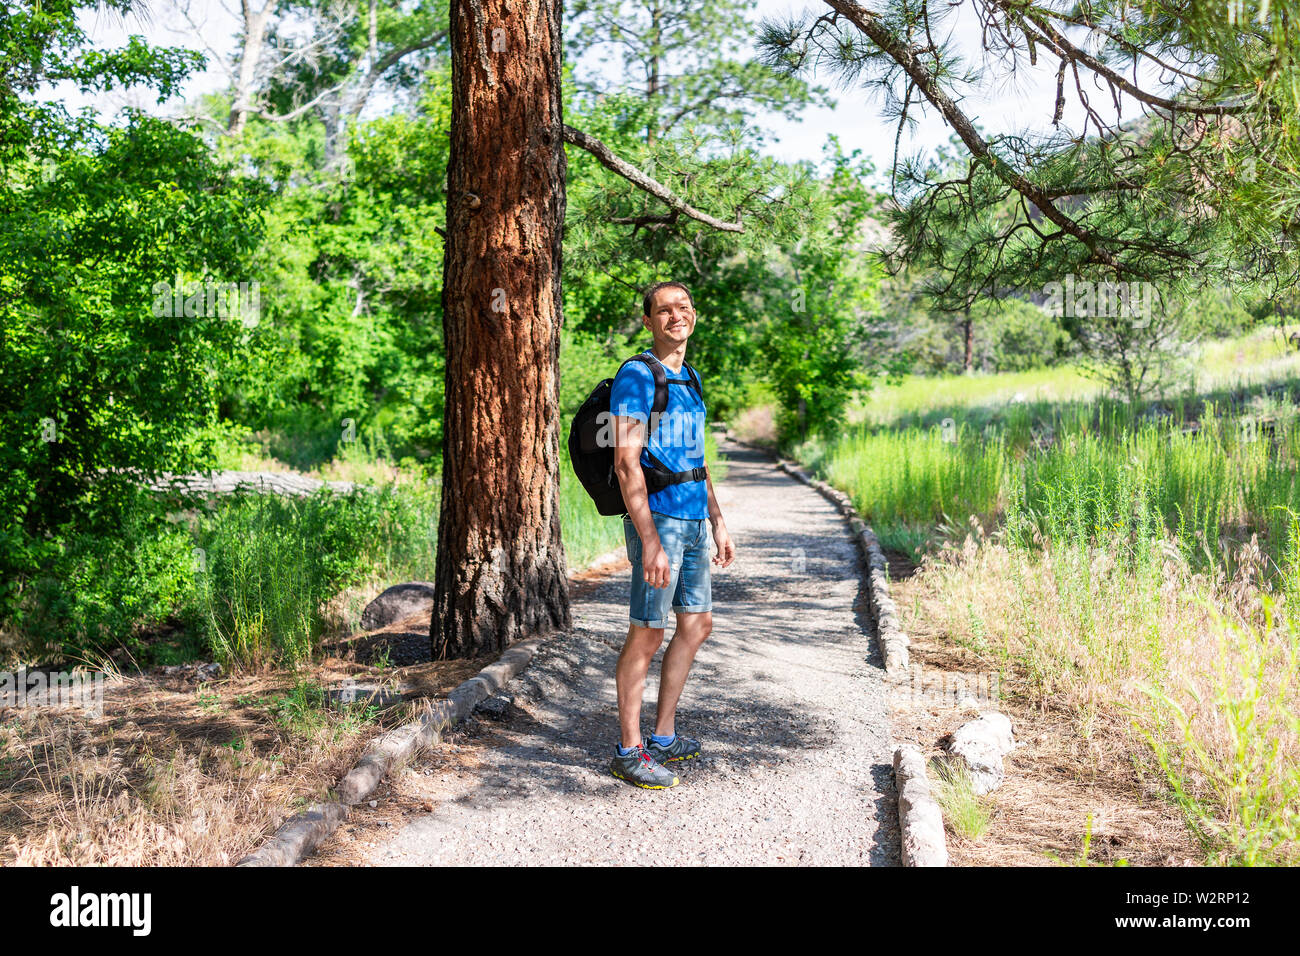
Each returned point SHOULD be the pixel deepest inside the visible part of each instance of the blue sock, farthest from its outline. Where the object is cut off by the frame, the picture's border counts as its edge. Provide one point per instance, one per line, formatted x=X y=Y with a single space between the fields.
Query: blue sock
x=623 y=751
x=663 y=741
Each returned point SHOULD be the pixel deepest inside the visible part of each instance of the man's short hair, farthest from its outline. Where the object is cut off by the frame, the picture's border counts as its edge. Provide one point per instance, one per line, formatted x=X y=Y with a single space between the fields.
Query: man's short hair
x=649 y=298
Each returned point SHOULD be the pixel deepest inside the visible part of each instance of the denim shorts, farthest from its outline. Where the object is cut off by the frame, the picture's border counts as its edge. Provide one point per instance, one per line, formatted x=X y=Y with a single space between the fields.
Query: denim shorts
x=690 y=587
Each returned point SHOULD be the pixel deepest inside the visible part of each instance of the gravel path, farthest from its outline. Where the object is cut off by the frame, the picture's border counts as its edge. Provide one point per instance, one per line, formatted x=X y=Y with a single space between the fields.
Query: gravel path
x=787 y=698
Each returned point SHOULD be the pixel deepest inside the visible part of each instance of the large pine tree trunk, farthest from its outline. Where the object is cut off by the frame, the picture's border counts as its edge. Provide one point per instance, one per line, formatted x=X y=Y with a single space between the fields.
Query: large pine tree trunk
x=501 y=573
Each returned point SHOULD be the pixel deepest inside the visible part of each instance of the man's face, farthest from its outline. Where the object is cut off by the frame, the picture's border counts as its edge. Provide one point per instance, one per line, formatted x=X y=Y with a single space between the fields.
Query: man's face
x=671 y=317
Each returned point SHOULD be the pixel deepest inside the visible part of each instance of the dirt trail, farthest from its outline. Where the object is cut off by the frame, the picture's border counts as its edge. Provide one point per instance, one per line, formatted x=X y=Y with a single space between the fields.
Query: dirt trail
x=787 y=698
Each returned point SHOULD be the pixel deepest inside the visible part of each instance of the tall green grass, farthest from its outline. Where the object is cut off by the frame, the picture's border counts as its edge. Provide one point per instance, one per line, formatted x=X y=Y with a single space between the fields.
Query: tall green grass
x=1145 y=570
x=1074 y=474
x=917 y=477
x=965 y=812
x=1240 y=793
x=271 y=563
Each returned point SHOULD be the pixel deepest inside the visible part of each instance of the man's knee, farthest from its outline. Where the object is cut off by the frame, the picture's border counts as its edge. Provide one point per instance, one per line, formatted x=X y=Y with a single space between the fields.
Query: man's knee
x=642 y=642
x=695 y=626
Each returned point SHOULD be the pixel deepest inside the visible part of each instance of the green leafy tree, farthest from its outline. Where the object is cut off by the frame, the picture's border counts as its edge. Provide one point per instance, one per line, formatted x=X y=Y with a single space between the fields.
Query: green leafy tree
x=826 y=325
x=352 y=306
x=685 y=110
x=111 y=240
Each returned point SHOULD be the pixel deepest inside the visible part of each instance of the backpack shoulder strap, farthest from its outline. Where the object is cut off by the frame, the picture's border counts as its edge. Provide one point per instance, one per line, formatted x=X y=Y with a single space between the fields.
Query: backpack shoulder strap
x=661 y=386
x=695 y=380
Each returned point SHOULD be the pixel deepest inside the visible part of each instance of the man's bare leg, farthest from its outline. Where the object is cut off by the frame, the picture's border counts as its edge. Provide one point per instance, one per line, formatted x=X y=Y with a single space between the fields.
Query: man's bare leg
x=692 y=631
x=629 y=678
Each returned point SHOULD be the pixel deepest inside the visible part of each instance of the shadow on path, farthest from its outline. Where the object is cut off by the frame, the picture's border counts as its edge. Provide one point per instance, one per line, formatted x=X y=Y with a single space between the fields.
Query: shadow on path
x=787 y=698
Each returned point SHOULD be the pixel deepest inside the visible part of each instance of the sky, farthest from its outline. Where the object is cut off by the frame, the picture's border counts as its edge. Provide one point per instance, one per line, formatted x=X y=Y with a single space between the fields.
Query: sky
x=857 y=119
x=859 y=122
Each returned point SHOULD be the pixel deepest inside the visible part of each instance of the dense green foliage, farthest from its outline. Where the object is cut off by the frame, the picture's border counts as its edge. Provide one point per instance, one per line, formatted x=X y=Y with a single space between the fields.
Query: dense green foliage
x=248 y=578
x=317 y=196
x=103 y=382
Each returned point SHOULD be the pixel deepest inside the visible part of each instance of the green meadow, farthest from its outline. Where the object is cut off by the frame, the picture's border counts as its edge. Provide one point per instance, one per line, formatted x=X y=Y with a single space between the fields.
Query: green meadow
x=1142 y=565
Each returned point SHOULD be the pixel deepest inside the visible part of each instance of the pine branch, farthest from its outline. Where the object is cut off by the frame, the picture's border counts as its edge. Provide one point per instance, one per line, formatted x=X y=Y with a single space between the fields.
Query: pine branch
x=875 y=30
x=606 y=158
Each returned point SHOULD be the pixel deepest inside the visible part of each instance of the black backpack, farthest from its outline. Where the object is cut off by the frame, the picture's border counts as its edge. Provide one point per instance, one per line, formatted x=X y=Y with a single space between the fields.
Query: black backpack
x=593 y=454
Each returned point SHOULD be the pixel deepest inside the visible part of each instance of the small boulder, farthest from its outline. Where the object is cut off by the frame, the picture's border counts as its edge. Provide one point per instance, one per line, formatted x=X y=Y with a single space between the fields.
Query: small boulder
x=351 y=692
x=496 y=707
x=207 y=672
x=981 y=744
x=399 y=601
x=194 y=672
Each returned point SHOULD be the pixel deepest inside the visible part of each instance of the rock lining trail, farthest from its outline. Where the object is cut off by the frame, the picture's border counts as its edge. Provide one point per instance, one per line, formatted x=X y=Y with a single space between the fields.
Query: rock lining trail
x=787 y=698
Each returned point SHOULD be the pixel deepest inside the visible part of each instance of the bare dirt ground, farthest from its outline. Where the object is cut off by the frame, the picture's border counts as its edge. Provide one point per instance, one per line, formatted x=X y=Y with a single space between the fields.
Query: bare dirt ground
x=179 y=772
x=787 y=698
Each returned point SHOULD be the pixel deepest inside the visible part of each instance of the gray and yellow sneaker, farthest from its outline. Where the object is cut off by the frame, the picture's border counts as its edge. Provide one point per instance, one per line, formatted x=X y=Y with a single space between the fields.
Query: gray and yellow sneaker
x=682 y=748
x=642 y=770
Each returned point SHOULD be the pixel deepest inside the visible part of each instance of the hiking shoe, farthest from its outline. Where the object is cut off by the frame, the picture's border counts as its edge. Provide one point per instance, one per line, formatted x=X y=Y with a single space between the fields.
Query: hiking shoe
x=682 y=748
x=642 y=770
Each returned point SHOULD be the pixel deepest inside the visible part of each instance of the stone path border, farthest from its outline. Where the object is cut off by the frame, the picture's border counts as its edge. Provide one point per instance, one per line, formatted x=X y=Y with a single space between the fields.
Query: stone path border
x=302 y=833
x=919 y=818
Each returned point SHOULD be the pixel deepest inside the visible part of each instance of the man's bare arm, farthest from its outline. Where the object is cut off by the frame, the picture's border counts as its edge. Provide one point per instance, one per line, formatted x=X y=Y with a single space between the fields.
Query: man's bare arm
x=715 y=510
x=722 y=540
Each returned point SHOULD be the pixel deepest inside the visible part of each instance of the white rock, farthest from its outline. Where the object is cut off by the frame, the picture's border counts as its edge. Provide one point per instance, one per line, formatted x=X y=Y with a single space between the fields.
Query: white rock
x=981 y=744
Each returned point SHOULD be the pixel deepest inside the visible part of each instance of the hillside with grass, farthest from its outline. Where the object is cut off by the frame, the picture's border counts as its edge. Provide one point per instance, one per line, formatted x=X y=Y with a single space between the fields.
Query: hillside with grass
x=1137 y=567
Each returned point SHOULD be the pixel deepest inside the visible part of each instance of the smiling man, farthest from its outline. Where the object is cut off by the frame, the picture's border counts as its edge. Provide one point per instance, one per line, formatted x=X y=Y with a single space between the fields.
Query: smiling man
x=667 y=535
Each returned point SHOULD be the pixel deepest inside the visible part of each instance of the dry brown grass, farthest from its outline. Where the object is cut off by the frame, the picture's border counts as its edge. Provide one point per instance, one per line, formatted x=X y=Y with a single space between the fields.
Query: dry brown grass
x=172 y=774
x=756 y=425
x=410 y=792
x=1080 y=645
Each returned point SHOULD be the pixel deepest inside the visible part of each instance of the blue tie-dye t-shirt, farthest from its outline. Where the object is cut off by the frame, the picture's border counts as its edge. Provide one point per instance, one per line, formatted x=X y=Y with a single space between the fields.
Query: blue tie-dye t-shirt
x=678 y=441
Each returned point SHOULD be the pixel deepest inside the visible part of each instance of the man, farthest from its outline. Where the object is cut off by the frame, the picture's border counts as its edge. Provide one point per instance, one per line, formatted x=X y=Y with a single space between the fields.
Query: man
x=667 y=540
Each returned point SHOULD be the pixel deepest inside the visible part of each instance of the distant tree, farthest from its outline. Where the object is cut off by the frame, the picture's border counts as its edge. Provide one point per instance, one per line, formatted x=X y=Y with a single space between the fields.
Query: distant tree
x=687 y=62
x=822 y=339
x=322 y=60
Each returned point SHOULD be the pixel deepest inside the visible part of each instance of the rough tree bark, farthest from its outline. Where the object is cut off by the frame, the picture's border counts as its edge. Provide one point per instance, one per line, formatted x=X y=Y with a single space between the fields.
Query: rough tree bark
x=968 y=339
x=501 y=573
